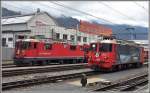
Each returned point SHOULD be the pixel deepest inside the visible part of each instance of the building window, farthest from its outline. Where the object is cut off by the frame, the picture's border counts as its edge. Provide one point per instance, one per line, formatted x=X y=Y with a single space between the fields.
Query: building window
x=10 y=39
x=3 y=41
x=57 y=36
x=79 y=38
x=64 y=36
x=38 y=36
x=72 y=37
x=21 y=37
x=84 y=39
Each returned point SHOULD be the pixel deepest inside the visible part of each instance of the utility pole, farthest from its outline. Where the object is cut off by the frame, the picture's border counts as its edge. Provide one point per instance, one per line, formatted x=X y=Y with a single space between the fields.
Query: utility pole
x=131 y=29
x=77 y=29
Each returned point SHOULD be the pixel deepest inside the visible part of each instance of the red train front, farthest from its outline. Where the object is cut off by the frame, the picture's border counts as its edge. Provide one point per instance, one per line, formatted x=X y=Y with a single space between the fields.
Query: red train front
x=111 y=54
x=37 y=52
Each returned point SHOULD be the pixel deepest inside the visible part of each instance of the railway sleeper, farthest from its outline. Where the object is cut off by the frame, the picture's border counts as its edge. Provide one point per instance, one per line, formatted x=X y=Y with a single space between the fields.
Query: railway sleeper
x=134 y=84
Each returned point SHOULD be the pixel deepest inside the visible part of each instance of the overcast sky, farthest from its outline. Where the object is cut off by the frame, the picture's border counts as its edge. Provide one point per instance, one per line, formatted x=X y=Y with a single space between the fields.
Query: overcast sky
x=133 y=13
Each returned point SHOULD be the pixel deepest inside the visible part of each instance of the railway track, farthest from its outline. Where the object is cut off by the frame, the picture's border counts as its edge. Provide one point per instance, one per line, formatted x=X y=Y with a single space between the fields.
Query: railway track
x=126 y=84
x=40 y=80
x=12 y=65
x=30 y=70
x=8 y=66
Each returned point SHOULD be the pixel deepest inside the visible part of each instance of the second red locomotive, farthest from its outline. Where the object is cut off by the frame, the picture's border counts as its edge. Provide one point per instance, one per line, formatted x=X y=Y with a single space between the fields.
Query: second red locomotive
x=114 y=54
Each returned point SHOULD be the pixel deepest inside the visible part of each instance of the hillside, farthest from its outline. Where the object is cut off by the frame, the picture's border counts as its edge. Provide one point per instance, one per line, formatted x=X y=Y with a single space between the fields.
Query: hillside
x=119 y=30
x=6 y=12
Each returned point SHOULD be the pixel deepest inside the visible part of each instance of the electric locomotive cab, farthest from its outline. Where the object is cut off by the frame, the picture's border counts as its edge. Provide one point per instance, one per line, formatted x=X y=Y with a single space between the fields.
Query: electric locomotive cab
x=101 y=54
x=24 y=49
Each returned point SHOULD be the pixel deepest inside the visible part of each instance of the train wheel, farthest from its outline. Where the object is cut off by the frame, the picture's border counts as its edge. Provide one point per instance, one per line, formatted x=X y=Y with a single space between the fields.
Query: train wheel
x=43 y=63
x=61 y=61
x=115 y=68
x=80 y=61
x=46 y=62
x=39 y=63
x=74 y=61
x=119 y=67
x=19 y=65
x=33 y=63
x=130 y=65
x=96 y=68
x=112 y=69
x=125 y=66
x=30 y=63
x=138 y=65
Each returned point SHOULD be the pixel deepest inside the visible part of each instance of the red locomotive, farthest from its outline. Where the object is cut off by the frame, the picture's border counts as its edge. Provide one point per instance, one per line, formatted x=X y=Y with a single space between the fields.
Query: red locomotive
x=42 y=52
x=108 y=55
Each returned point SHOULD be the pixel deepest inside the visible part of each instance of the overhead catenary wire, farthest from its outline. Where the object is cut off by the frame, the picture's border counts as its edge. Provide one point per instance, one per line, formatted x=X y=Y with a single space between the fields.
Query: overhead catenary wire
x=141 y=7
x=48 y=6
x=85 y=13
x=117 y=11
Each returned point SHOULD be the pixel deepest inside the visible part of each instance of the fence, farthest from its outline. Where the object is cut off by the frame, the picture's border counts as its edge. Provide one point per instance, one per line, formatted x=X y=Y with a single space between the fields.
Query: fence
x=7 y=54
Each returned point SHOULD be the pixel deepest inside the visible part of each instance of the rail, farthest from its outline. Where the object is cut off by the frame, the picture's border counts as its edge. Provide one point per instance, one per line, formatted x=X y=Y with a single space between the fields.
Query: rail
x=126 y=84
x=30 y=70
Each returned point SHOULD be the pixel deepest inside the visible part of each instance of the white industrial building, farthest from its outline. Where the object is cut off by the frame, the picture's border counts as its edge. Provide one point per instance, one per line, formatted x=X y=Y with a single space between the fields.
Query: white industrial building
x=39 y=24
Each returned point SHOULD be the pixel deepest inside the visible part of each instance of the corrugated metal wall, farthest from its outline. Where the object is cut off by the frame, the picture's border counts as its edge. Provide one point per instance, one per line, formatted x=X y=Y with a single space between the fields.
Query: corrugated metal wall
x=7 y=53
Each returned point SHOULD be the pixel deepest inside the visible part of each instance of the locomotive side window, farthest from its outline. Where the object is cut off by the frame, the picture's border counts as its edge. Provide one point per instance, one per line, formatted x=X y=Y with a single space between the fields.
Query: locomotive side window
x=72 y=47
x=35 y=45
x=105 y=47
x=81 y=47
x=93 y=47
x=123 y=49
x=48 y=46
x=26 y=45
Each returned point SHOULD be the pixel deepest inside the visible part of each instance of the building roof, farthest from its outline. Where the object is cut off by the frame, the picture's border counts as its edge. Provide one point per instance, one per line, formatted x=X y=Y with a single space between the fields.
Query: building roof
x=21 y=18
x=16 y=19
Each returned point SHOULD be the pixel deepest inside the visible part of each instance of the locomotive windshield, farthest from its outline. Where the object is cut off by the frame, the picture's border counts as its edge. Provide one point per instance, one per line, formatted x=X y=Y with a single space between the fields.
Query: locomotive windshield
x=93 y=47
x=104 y=47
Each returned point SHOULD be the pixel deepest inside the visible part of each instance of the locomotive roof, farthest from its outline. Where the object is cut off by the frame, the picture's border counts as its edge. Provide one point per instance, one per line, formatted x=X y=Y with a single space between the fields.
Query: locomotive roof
x=122 y=42
x=125 y=42
x=29 y=40
x=108 y=41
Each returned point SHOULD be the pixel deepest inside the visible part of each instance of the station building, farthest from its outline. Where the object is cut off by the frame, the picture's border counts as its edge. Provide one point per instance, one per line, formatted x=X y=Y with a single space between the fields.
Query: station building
x=40 y=24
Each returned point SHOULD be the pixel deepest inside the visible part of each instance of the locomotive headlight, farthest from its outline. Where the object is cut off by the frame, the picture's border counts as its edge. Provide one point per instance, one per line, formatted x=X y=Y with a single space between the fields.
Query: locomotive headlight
x=18 y=51
x=105 y=57
x=97 y=54
x=23 y=51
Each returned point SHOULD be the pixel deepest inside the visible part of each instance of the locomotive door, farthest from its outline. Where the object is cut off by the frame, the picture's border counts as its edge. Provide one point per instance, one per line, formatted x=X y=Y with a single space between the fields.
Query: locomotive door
x=34 y=49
